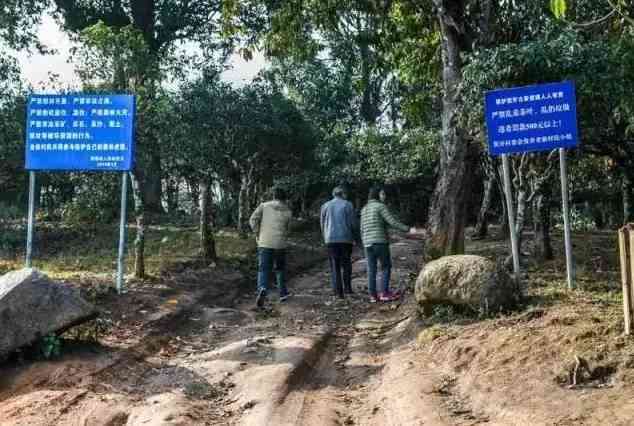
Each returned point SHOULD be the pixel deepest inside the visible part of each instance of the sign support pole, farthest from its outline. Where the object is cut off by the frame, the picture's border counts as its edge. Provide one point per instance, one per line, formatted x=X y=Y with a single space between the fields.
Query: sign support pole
x=31 y=221
x=511 y=216
x=566 y=211
x=122 y=233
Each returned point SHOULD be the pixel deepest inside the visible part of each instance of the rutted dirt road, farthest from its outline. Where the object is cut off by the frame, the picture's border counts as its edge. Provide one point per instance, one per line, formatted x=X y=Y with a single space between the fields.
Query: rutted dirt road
x=217 y=360
x=205 y=356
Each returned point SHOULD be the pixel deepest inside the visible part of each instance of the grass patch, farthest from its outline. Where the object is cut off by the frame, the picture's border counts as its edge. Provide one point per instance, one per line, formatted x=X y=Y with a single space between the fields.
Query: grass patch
x=63 y=252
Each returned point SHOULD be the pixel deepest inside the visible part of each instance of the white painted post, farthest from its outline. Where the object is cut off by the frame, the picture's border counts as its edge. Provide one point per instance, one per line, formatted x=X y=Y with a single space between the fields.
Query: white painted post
x=31 y=221
x=511 y=216
x=566 y=211
x=122 y=233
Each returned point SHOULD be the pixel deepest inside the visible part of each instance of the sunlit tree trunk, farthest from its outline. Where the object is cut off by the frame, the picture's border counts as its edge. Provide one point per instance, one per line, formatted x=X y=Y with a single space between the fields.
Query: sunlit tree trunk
x=243 y=203
x=482 y=226
x=139 y=212
x=448 y=207
x=626 y=192
x=207 y=241
x=171 y=192
x=543 y=246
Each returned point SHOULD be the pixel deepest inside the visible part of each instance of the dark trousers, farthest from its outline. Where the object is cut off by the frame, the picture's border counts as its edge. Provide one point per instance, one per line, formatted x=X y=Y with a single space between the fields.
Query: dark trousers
x=378 y=253
x=339 y=255
x=272 y=260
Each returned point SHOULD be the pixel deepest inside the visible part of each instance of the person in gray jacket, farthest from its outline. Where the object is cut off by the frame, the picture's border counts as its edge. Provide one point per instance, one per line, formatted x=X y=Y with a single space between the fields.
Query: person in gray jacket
x=340 y=229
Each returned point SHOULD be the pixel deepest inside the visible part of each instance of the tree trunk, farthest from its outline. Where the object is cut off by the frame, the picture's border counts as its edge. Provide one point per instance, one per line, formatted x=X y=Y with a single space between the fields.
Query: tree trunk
x=504 y=219
x=139 y=212
x=171 y=192
x=194 y=195
x=543 y=247
x=482 y=226
x=448 y=207
x=369 y=111
x=520 y=216
x=243 y=204
x=626 y=191
x=207 y=241
x=152 y=186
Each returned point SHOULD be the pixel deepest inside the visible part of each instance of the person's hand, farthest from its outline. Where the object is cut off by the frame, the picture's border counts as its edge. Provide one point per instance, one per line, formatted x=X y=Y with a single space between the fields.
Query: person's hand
x=418 y=232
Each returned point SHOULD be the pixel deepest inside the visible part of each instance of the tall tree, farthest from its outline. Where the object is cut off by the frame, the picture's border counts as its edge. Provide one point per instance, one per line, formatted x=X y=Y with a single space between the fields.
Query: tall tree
x=138 y=38
x=463 y=24
x=351 y=34
x=161 y=24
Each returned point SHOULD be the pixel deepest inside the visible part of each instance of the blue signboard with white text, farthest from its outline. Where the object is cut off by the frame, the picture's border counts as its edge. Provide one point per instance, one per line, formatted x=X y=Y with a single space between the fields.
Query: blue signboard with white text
x=532 y=118
x=80 y=132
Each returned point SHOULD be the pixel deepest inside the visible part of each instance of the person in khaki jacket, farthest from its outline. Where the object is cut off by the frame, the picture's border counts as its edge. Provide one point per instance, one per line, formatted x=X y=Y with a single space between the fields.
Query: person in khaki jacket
x=271 y=222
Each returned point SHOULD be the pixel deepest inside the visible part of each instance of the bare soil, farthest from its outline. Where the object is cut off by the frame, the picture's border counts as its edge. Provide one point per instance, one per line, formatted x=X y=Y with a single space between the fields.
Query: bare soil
x=190 y=349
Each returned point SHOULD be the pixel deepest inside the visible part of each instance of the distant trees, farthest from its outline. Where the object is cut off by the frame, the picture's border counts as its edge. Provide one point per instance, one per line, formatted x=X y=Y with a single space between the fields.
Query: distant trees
x=358 y=92
x=240 y=140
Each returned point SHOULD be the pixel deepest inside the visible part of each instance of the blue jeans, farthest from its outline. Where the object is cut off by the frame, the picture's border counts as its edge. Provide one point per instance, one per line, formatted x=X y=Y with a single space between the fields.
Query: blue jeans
x=378 y=253
x=272 y=260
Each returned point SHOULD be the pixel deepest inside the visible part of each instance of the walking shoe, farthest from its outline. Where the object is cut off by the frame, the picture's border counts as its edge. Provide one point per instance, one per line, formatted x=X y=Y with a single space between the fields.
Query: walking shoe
x=259 y=301
x=284 y=297
x=373 y=299
x=388 y=297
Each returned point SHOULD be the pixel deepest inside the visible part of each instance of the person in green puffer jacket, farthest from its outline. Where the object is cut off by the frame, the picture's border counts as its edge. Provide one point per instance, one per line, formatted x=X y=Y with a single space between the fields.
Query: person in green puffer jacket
x=376 y=219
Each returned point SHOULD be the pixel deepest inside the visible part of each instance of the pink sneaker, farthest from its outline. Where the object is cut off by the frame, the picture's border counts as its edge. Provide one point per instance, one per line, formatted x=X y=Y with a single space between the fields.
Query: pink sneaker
x=388 y=297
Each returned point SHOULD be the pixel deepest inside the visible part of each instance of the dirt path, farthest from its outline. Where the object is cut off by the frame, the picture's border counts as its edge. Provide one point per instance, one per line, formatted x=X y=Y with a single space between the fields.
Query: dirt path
x=216 y=360
x=220 y=361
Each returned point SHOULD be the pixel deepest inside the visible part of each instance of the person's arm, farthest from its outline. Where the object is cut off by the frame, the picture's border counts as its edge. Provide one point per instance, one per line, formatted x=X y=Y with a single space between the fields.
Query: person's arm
x=353 y=223
x=322 y=218
x=256 y=219
x=389 y=218
x=290 y=224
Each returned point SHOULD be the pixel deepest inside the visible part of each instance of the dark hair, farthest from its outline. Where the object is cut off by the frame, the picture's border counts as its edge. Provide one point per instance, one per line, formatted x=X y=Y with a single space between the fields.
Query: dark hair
x=279 y=193
x=374 y=192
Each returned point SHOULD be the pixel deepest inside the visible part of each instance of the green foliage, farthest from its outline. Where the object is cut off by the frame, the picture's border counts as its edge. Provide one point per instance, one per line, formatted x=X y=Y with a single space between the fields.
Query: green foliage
x=227 y=133
x=559 y=8
x=601 y=69
x=117 y=56
x=394 y=157
x=18 y=22
x=580 y=221
x=9 y=241
x=51 y=346
x=443 y=314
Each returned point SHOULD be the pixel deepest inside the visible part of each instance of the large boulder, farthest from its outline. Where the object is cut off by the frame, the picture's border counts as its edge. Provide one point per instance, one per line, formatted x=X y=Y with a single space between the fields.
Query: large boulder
x=33 y=306
x=467 y=281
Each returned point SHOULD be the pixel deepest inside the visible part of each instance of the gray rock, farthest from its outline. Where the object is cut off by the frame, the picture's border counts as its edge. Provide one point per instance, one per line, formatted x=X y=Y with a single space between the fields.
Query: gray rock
x=33 y=306
x=468 y=281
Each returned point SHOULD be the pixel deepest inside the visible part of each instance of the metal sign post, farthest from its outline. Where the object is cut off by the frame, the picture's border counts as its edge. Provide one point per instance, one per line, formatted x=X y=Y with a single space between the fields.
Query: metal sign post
x=566 y=211
x=511 y=213
x=122 y=233
x=30 y=226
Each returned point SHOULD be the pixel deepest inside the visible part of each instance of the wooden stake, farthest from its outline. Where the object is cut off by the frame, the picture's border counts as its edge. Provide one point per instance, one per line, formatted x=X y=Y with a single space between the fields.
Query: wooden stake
x=625 y=243
x=629 y=229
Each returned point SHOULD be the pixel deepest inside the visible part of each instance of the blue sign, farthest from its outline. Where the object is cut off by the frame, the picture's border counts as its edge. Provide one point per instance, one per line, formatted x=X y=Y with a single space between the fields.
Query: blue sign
x=531 y=118
x=80 y=132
